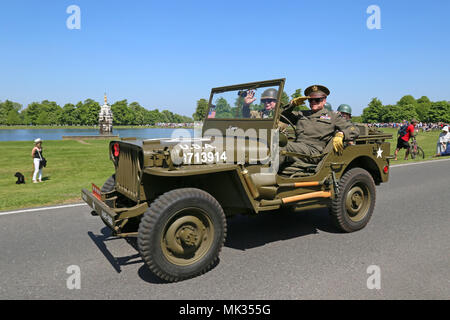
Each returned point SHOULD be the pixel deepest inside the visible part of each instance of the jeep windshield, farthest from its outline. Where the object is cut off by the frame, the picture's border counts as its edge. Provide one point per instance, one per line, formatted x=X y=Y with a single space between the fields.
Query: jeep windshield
x=252 y=101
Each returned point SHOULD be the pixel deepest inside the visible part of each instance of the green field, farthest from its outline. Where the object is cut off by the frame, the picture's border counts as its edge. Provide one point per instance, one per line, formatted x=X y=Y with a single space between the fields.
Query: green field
x=73 y=165
x=426 y=140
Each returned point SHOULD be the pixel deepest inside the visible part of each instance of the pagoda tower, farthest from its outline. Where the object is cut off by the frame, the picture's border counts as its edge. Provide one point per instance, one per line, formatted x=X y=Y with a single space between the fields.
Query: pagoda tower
x=105 y=118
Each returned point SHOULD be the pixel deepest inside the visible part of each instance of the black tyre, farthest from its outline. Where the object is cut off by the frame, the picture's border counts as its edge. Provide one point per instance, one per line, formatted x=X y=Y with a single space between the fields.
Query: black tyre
x=353 y=207
x=420 y=153
x=108 y=186
x=181 y=234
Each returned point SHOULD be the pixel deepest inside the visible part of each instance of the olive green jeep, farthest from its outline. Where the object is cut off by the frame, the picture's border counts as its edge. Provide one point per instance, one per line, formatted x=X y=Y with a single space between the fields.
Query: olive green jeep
x=174 y=194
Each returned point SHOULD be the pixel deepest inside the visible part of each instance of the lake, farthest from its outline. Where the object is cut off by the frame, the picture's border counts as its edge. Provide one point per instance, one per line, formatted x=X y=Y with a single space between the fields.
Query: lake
x=57 y=134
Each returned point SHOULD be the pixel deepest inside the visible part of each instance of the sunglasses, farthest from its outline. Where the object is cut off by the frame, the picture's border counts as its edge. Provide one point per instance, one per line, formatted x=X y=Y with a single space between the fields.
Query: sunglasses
x=268 y=100
x=318 y=100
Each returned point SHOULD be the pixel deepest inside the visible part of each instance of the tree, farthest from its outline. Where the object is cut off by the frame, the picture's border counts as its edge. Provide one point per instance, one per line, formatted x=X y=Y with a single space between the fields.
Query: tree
x=42 y=119
x=423 y=99
x=440 y=111
x=69 y=116
x=200 y=111
x=88 y=112
x=168 y=115
x=53 y=111
x=223 y=109
x=13 y=118
x=374 y=111
x=284 y=98
x=122 y=115
x=407 y=100
x=6 y=108
x=153 y=117
x=139 y=113
x=31 y=113
x=423 y=109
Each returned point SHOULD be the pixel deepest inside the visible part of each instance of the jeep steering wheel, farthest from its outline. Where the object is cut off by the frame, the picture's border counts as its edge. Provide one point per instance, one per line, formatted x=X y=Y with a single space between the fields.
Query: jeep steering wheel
x=291 y=124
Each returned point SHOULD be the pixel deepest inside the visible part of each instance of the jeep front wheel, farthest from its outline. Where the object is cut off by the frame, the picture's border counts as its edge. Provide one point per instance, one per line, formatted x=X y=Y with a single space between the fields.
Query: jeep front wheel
x=181 y=234
x=352 y=208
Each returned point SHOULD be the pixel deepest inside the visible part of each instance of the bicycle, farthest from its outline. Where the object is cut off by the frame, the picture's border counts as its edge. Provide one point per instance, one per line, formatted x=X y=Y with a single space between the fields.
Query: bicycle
x=415 y=150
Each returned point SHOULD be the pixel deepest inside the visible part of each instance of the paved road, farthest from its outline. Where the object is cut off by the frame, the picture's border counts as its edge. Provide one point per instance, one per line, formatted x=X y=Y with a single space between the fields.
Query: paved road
x=300 y=256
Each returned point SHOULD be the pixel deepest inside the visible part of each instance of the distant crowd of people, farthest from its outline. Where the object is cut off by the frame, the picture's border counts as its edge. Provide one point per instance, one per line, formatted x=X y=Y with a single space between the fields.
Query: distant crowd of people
x=174 y=125
x=421 y=126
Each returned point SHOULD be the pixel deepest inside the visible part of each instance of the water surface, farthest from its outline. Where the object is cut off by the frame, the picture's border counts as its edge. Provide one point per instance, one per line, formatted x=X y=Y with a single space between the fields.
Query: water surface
x=57 y=134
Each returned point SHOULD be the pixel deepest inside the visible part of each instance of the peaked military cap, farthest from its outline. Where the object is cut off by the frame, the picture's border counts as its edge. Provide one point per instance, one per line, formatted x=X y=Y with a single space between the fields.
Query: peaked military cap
x=317 y=91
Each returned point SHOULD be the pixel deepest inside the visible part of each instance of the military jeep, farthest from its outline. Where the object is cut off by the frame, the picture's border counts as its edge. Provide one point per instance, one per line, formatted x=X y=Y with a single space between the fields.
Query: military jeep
x=175 y=194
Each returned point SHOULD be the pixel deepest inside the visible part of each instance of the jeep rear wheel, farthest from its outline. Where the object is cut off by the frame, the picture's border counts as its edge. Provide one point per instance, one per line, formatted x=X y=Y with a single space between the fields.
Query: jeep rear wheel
x=181 y=234
x=352 y=208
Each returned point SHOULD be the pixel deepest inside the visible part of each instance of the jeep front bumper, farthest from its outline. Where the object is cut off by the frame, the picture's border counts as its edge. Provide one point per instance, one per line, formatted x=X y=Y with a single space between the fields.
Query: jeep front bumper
x=114 y=218
x=108 y=215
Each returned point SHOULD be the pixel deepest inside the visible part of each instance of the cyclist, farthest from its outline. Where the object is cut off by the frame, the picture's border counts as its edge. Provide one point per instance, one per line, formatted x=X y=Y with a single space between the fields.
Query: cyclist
x=403 y=139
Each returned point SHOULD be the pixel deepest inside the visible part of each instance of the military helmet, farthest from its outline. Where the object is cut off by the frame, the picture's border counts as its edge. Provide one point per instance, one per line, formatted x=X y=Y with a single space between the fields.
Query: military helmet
x=328 y=106
x=345 y=108
x=270 y=94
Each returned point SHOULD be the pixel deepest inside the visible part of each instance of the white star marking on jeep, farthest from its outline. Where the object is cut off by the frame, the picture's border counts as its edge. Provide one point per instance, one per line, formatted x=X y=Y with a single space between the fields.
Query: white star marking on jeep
x=379 y=153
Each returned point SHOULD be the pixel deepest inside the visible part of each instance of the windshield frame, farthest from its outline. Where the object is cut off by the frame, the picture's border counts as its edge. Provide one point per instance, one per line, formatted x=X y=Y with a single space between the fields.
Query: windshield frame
x=251 y=85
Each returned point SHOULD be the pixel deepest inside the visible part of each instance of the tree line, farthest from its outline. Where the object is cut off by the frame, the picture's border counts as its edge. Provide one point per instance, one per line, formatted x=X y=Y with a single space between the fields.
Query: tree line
x=83 y=114
x=124 y=113
x=407 y=108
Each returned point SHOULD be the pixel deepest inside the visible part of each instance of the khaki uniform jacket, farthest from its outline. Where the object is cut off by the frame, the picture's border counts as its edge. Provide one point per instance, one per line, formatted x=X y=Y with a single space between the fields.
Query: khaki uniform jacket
x=317 y=129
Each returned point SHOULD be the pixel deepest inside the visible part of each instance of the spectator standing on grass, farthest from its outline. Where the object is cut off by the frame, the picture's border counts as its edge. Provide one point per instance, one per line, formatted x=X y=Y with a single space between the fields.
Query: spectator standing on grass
x=36 y=154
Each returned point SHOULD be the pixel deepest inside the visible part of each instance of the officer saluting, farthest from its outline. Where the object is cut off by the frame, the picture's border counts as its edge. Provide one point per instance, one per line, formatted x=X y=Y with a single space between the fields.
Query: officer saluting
x=316 y=127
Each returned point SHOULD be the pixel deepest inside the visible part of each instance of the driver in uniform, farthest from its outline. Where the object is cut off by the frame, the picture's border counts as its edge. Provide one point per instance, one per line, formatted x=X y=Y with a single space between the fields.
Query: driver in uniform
x=316 y=127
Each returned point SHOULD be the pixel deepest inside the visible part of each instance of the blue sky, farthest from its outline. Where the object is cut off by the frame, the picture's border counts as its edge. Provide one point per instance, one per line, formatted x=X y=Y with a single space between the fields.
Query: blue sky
x=169 y=54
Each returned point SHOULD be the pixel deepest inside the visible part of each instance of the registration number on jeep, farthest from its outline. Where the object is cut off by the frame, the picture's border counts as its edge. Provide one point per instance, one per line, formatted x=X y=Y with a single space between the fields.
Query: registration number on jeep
x=204 y=157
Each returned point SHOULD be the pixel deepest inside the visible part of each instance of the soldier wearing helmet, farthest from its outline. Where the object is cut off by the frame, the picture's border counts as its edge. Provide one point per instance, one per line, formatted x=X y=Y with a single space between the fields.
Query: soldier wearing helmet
x=328 y=106
x=268 y=99
x=345 y=111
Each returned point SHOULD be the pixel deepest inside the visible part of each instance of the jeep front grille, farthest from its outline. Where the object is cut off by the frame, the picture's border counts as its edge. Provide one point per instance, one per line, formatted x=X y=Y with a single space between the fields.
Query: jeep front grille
x=128 y=172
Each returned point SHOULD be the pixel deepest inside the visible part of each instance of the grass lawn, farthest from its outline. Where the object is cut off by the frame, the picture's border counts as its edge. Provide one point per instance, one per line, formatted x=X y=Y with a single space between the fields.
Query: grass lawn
x=426 y=140
x=73 y=165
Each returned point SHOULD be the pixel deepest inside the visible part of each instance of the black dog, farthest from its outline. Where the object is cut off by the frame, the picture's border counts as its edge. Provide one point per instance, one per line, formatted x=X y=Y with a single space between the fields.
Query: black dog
x=20 y=178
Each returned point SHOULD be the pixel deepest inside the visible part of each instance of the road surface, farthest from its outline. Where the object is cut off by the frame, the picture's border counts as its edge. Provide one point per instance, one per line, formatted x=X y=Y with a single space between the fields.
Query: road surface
x=296 y=256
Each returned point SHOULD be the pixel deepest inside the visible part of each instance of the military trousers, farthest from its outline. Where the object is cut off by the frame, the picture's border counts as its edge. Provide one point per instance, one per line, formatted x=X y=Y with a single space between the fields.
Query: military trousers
x=308 y=153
